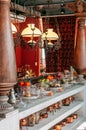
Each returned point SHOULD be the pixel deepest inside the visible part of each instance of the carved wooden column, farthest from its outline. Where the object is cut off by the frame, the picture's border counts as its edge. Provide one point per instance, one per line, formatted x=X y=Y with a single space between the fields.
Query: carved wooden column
x=79 y=6
x=7 y=55
x=80 y=47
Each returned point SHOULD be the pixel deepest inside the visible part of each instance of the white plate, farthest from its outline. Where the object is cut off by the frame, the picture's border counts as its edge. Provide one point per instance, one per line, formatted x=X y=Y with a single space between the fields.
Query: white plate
x=45 y=92
x=54 y=89
x=31 y=97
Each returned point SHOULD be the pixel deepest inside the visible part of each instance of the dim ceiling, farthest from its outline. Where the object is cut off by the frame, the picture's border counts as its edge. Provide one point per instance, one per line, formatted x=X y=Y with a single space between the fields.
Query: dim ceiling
x=43 y=7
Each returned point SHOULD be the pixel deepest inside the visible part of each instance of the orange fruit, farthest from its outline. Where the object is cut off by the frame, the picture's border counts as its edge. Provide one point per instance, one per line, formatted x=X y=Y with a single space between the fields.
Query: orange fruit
x=27 y=84
x=21 y=83
x=50 y=93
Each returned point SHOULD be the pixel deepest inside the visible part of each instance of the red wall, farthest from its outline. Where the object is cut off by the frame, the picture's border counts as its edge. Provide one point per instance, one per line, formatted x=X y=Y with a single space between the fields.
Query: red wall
x=28 y=56
x=18 y=57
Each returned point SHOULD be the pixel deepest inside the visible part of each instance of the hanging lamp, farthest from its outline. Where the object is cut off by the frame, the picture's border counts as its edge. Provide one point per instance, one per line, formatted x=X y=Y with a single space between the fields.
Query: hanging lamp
x=50 y=35
x=31 y=30
x=13 y=27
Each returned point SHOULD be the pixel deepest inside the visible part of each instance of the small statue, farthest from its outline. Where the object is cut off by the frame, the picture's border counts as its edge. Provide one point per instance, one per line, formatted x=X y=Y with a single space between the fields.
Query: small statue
x=12 y=98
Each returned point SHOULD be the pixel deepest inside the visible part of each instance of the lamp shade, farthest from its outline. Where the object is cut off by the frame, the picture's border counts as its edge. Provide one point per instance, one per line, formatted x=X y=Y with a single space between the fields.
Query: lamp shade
x=14 y=29
x=49 y=35
x=31 y=30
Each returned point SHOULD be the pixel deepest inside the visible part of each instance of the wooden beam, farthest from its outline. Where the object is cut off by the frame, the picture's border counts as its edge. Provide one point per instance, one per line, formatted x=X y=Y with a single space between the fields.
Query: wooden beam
x=25 y=10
